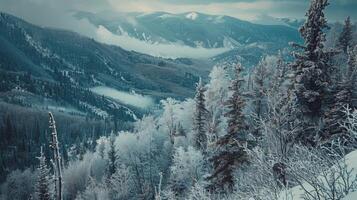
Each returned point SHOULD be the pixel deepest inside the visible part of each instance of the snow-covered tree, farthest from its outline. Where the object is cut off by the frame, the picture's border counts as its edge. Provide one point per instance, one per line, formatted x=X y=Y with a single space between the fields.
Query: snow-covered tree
x=216 y=96
x=231 y=148
x=280 y=77
x=199 y=192
x=260 y=77
x=112 y=156
x=200 y=117
x=311 y=65
x=187 y=169
x=350 y=124
x=342 y=96
x=168 y=119
x=345 y=38
x=94 y=191
x=43 y=180
x=19 y=185
x=121 y=183
x=261 y=84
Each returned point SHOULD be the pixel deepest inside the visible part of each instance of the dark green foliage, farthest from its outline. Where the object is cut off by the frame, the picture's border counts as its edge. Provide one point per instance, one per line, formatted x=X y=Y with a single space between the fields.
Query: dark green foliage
x=231 y=153
x=345 y=39
x=200 y=118
x=43 y=180
x=311 y=65
x=112 y=156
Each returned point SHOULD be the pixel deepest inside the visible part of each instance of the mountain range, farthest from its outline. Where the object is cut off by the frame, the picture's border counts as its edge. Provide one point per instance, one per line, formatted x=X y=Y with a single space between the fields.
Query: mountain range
x=192 y=29
x=64 y=67
x=80 y=75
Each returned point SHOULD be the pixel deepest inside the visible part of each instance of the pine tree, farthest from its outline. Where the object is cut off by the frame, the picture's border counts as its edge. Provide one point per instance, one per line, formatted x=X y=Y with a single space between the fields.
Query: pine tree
x=231 y=152
x=311 y=65
x=345 y=38
x=259 y=90
x=43 y=181
x=280 y=76
x=200 y=117
x=112 y=157
x=342 y=95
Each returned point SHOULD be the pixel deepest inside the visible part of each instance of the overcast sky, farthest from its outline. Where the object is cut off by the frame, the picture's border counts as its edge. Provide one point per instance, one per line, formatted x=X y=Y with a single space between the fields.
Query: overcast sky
x=50 y=12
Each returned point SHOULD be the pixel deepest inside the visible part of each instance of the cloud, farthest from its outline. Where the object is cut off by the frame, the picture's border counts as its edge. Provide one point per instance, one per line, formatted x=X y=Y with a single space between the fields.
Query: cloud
x=170 y=50
x=57 y=13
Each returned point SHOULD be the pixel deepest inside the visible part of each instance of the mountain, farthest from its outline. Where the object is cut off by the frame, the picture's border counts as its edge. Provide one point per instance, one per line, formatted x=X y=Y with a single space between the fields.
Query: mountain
x=66 y=69
x=269 y=20
x=192 y=29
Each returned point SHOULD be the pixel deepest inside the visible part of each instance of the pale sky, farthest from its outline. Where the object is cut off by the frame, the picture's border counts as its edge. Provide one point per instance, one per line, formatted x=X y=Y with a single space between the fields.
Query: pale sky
x=45 y=12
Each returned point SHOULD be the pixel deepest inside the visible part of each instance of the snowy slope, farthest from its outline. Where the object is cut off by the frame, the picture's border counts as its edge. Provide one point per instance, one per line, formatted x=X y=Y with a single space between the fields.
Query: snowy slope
x=296 y=193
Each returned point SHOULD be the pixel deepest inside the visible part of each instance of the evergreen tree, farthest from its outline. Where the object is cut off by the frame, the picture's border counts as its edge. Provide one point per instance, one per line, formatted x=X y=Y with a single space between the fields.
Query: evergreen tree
x=280 y=76
x=311 y=65
x=312 y=70
x=112 y=156
x=43 y=181
x=345 y=38
x=259 y=90
x=342 y=95
x=231 y=148
x=200 y=117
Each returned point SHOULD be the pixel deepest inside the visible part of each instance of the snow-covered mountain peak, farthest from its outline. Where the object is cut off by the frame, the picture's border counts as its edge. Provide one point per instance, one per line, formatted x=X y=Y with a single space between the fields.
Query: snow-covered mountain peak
x=192 y=15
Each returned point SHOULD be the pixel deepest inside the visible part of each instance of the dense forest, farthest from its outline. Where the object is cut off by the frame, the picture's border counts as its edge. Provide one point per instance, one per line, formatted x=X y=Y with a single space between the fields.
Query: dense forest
x=260 y=133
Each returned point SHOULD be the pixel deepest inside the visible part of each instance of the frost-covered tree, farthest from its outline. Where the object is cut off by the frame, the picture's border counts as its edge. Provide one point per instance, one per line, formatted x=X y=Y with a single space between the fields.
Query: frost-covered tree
x=260 y=76
x=231 y=148
x=280 y=78
x=200 y=117
x=216 y=96
x=43 y=180
x=19 y=185
x=311 y=65
x=342 y=96
x=261 y=84
x=112 y=156
x=121 y=183
x=199 y=192
x=94 y=191
x=351 y=75
x=168 y=117
x=345 y=38
x=186 y=170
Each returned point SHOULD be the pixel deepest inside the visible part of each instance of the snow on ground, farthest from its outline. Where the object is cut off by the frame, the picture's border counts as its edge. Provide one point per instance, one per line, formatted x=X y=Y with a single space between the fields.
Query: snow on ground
x=296 y=193
x=132 y=99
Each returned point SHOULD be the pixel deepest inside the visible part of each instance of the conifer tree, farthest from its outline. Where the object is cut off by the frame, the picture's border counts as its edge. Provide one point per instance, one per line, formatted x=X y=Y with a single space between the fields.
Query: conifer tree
x=345 y=38
x=43 y=181
x=231 y=148
x=312 y=71
x=342 y=95
x=259 y=90
x=200 y=117
x=112 y=157
x=311 y=65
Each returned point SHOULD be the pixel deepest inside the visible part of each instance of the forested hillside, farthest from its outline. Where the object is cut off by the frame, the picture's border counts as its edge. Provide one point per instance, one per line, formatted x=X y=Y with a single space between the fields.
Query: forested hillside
x=285 y=129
